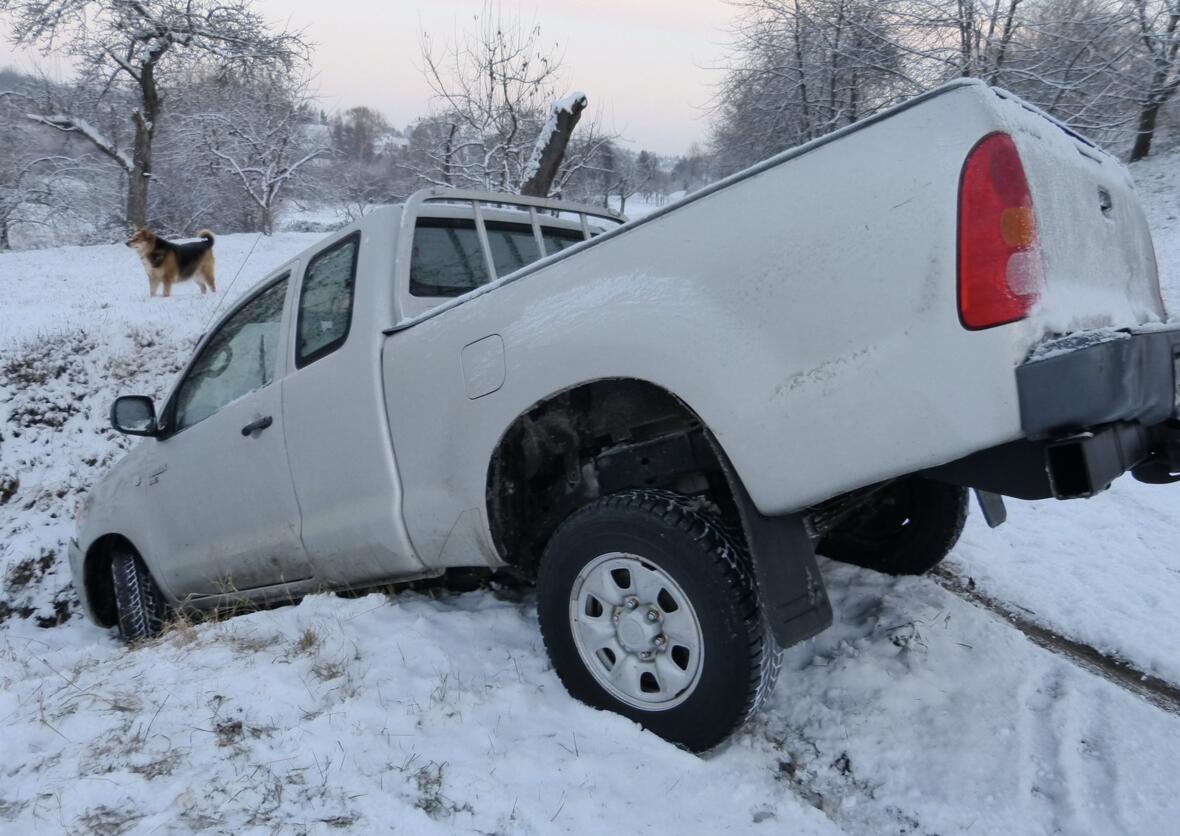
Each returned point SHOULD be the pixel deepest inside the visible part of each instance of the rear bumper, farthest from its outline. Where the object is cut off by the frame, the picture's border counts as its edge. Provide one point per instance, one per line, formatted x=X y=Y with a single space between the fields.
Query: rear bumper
x=1084 y=381
x=1092 y=407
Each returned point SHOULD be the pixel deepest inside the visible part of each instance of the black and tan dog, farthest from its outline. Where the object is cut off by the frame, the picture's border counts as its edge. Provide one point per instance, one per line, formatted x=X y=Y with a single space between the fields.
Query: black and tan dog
x=167 y=263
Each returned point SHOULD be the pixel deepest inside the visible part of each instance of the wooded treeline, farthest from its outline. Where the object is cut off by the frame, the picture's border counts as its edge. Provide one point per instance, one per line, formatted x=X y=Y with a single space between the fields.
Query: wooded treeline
x=801 y=68
x=188 y=113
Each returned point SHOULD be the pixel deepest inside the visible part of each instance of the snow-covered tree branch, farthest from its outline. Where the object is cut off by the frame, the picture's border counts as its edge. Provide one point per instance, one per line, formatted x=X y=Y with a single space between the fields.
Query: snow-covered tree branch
x=141 y=43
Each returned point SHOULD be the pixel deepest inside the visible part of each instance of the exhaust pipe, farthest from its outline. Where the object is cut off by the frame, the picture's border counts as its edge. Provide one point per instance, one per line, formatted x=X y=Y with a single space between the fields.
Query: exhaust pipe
x=1163 y=468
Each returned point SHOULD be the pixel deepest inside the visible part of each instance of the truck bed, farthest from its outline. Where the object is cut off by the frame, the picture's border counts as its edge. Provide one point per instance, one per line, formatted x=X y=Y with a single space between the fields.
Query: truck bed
x=804 y=309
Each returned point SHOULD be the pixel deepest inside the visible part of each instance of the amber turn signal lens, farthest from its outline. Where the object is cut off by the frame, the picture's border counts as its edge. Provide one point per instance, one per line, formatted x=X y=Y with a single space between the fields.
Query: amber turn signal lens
x=1018 y=227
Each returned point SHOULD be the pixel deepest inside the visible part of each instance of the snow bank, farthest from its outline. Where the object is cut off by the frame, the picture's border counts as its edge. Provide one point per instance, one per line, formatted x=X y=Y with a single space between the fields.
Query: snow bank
x=375 y=714
x=916 y=713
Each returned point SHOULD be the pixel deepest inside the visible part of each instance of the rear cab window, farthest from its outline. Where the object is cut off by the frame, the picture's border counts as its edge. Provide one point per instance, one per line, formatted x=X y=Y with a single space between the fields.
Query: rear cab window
x=448 y=260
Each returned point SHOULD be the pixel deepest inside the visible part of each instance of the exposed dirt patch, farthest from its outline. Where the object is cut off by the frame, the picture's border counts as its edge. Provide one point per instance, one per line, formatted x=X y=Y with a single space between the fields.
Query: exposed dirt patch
x=9 y=485
x=31 y=569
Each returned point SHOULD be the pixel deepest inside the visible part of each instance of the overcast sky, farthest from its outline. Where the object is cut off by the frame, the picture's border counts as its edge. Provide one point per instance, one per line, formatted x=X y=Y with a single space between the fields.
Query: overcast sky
x=645 y=64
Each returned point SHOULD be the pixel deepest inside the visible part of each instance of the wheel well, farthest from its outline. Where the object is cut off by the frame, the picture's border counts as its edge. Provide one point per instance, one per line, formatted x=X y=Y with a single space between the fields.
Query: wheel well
x=96 y=573
x=596 y=439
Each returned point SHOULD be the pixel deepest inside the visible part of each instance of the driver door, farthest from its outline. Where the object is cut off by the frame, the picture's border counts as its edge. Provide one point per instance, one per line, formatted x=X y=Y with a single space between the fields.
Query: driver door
x=224 y=506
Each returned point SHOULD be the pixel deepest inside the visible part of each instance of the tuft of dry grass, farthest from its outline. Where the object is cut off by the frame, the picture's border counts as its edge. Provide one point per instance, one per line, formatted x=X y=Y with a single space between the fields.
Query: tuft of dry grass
x=326 y=671
x=308 y=640
x=107 y=821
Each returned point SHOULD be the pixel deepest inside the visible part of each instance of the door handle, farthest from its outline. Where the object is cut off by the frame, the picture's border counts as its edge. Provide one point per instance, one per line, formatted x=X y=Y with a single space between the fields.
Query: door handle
x=257 y=426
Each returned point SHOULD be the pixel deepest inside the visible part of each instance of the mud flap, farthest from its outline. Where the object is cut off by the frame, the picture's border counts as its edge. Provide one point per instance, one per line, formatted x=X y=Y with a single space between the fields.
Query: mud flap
x=790 y=586
x=992 y=506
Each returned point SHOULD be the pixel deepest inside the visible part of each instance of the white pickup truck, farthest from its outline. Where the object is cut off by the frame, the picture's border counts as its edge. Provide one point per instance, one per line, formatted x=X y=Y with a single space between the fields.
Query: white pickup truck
x=661 y=421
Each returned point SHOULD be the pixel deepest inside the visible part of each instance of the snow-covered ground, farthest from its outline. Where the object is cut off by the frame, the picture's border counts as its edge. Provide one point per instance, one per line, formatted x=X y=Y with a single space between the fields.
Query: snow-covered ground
x=918 y=712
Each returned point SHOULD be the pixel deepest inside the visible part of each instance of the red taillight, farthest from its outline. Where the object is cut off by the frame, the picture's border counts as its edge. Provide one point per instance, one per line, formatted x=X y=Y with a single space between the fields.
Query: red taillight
x=1000 y=274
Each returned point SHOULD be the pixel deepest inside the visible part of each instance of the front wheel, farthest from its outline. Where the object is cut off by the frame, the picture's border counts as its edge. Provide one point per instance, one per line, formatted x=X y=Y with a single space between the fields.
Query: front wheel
x=649 y=609
x=138 y=601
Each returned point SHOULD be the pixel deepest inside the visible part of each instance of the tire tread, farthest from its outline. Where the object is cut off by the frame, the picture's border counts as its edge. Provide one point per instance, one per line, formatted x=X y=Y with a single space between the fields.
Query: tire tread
x=140 y=605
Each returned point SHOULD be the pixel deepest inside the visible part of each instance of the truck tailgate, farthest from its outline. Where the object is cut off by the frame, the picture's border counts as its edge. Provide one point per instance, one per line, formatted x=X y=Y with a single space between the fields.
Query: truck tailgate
x=1099 y=264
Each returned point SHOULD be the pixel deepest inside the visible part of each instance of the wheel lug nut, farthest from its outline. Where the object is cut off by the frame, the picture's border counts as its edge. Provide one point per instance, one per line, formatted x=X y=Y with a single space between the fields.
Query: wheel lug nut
x=615 y=618
x=632 y=603
x=659 y=641
x=652 y=615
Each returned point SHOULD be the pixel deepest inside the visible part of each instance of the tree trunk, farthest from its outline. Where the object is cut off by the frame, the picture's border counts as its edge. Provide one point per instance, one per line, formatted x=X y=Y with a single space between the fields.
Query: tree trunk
x=1146 y=130
x=538 y=185
x=1005 y=41
x=448 y=151
x=4 y=242
x=140 y=179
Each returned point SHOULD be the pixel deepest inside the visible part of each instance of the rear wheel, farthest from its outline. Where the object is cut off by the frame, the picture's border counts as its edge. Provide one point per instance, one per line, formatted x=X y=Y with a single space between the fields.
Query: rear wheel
x=906 y=528
x=649 y=609
x=138 y=601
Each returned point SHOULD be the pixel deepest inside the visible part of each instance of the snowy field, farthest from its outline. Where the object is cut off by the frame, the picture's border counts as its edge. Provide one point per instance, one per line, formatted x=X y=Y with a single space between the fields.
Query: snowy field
x=919 y=712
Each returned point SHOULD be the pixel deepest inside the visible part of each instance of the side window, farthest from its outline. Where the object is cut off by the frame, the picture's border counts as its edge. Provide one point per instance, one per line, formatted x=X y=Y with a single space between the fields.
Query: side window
x=446 y=258
x=513 y=246
x=236 y=361
x=325 y=301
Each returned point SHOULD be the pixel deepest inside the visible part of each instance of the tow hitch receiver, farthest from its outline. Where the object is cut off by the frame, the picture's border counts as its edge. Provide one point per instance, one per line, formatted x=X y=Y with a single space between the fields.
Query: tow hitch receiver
x=1085 y=464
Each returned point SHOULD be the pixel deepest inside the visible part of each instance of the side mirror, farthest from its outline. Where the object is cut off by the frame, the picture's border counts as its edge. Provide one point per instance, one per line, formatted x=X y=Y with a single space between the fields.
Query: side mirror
x=134 y=415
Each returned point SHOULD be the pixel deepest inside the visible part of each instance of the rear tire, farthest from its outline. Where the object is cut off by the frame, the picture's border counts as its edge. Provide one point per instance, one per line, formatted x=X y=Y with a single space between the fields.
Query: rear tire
x=649 y=609
x=905 y=529
x=138 y=601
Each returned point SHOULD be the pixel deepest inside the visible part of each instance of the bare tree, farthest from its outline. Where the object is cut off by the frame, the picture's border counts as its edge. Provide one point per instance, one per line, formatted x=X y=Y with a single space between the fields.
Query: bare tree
x=258 y=133
x=801 y=68
x=29 y=190
x=1158 y=25
x=357 y=133
x=956 y=37
x=495 y=89
x=138 y=43
x=1071 y=58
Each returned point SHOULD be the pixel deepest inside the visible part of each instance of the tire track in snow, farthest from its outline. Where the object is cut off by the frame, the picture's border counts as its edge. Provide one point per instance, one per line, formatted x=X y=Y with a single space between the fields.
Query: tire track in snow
x=1160 y=693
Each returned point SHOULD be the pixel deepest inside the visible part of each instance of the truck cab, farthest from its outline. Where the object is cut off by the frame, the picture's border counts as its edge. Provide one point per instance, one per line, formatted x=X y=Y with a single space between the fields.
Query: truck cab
x=292 y=366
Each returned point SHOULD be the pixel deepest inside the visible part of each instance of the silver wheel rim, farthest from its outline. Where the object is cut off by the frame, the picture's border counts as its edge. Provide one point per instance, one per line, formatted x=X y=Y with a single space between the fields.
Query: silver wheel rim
x=636 y=631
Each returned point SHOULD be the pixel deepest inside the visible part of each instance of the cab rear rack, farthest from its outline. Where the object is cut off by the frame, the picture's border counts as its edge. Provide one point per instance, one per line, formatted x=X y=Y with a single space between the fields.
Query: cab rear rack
x=532 y=206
